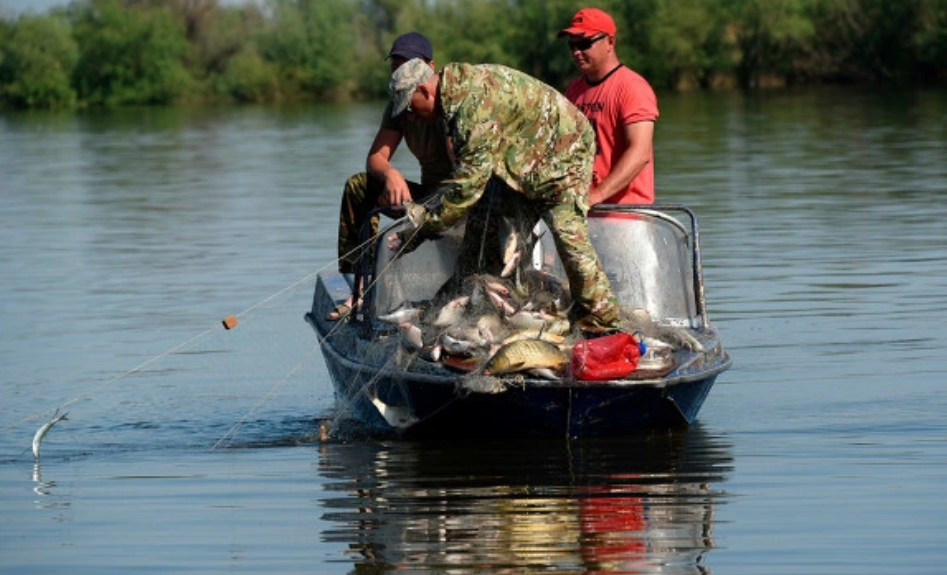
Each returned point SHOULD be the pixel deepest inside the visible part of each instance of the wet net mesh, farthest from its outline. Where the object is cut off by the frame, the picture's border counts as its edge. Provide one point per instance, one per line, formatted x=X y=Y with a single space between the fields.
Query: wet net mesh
x=648 y=260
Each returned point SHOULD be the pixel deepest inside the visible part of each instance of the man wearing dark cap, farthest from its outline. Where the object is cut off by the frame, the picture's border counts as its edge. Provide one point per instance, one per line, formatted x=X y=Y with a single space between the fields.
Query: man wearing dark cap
x=382 y=184
x=621 y=106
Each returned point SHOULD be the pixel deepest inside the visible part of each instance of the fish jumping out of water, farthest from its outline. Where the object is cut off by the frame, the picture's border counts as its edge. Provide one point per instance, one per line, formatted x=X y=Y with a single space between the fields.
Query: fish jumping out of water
x=42 y=431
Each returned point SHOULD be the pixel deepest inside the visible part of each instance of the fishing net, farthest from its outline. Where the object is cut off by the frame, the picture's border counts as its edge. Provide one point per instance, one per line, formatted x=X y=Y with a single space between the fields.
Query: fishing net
x=648 y=259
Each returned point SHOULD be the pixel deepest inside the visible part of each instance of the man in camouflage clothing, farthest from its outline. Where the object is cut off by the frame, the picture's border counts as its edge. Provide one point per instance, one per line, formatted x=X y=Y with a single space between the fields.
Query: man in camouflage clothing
x=507 y=124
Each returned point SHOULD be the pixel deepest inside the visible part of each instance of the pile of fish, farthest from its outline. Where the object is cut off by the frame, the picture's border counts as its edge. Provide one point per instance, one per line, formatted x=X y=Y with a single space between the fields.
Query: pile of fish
x=494 y=326
x=517 y=320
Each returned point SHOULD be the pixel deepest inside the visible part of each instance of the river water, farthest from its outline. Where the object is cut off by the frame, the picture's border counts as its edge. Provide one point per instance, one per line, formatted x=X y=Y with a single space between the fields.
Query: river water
x=126 y=237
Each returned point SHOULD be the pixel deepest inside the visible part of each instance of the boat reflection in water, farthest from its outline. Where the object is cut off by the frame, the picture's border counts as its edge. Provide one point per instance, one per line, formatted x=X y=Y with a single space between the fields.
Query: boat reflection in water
x=642 y=504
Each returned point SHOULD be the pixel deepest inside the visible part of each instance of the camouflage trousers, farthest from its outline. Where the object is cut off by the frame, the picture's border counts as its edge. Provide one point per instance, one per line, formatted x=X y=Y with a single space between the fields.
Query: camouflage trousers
x=360 y=196
x=596 y=309
x=480 y=248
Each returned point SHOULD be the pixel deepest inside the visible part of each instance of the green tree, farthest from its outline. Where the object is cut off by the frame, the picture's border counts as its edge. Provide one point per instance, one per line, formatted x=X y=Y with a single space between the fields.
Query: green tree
x=37 y=58
x=867 y=40
x=689 y=47
x=130 y=55
x=532 y=38
x=930 y=40
x=115 y=52
x=471 y=31
x=771 y=35
x=312 y=44
x=247 y=77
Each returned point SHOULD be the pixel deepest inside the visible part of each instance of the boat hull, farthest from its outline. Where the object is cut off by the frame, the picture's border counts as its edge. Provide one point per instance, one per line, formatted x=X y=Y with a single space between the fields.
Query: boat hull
x=370 y=385
x=653 y=261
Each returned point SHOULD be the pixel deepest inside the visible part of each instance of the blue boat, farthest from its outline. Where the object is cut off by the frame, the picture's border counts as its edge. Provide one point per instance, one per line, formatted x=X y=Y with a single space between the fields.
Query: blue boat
x=651 y=255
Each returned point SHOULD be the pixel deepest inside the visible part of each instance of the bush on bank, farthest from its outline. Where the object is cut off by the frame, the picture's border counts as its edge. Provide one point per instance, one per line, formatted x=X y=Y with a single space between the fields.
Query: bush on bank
x=123 y=52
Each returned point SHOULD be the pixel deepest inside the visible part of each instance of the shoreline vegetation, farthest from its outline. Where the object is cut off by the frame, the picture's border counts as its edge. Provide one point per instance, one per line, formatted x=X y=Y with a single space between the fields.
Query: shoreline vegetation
x=107 y=53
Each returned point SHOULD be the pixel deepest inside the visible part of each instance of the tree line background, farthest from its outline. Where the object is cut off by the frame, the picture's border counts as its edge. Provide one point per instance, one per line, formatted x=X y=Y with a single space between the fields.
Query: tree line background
x=155 y=52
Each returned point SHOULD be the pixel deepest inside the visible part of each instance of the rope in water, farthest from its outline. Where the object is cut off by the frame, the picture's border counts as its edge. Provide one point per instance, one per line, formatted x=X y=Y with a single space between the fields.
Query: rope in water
x=187 y=343
x=233 y=429
x=226 y=324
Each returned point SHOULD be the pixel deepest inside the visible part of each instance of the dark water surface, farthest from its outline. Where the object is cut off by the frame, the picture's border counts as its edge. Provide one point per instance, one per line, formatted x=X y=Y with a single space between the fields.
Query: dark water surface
x=126 y=237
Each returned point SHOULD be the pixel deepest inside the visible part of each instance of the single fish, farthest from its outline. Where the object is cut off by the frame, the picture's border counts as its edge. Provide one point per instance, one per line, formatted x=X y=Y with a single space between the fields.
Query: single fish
x=517 y=239
x=42 y=431
x=544 y=373
x=556 y=325
x=413 y=339
x=510 y=266
x=501 y=303
x=535 y=334
x=455 y=346
x=525 y=355
x=512 y=244
x=403 y=315
x=535 y=321
x=496 y=286
x=396 y=416
x=452 y=313
x=674 y=337
x=432 y=353
x=481 y=383
x=411 y=336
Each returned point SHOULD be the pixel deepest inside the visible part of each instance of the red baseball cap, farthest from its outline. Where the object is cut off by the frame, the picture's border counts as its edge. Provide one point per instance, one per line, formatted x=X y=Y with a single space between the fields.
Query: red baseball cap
x=589 y=22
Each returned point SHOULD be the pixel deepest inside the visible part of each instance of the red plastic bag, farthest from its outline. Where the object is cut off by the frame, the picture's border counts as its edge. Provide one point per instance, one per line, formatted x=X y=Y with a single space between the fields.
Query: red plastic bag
x=609 y=357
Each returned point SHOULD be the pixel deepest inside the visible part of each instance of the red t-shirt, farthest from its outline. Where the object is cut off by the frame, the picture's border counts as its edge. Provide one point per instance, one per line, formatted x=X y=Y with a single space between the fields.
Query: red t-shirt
x=623 y=97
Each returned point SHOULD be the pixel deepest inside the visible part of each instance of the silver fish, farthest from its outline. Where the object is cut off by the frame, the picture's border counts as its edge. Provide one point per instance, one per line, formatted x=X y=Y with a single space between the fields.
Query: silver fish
x=510 y=266
x=456 y=346
x=544 y=373
x=432 y=353
x=412 y=336
x=517 y=239
x=481 y=384
x=527 y=320
x=396 y=416
x=402 y=315
x=496 y=286
x=42 y=431
x=501 y=303
x=659 y=337
x=452 y=313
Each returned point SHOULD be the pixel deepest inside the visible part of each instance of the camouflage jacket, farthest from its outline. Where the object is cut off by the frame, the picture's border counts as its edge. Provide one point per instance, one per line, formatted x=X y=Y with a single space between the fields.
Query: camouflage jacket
x=503 y=122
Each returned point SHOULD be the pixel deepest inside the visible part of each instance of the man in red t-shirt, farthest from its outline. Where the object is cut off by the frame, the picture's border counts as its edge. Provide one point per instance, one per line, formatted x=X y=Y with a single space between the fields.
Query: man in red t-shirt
x=621 y=106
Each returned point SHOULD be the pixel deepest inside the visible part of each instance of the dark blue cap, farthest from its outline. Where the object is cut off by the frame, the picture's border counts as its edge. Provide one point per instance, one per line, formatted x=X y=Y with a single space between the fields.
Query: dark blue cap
x=412 y=45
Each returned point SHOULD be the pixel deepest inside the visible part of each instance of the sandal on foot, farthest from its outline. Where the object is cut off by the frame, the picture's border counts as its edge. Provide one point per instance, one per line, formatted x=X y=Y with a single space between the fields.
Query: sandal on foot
x=341 y=311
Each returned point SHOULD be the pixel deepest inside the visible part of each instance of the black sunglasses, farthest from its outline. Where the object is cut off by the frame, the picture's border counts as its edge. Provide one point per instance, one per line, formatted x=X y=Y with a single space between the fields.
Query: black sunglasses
x=585 y=43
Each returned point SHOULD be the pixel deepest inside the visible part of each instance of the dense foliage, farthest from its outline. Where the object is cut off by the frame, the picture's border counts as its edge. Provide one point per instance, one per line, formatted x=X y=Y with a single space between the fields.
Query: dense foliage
x=117 y=52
